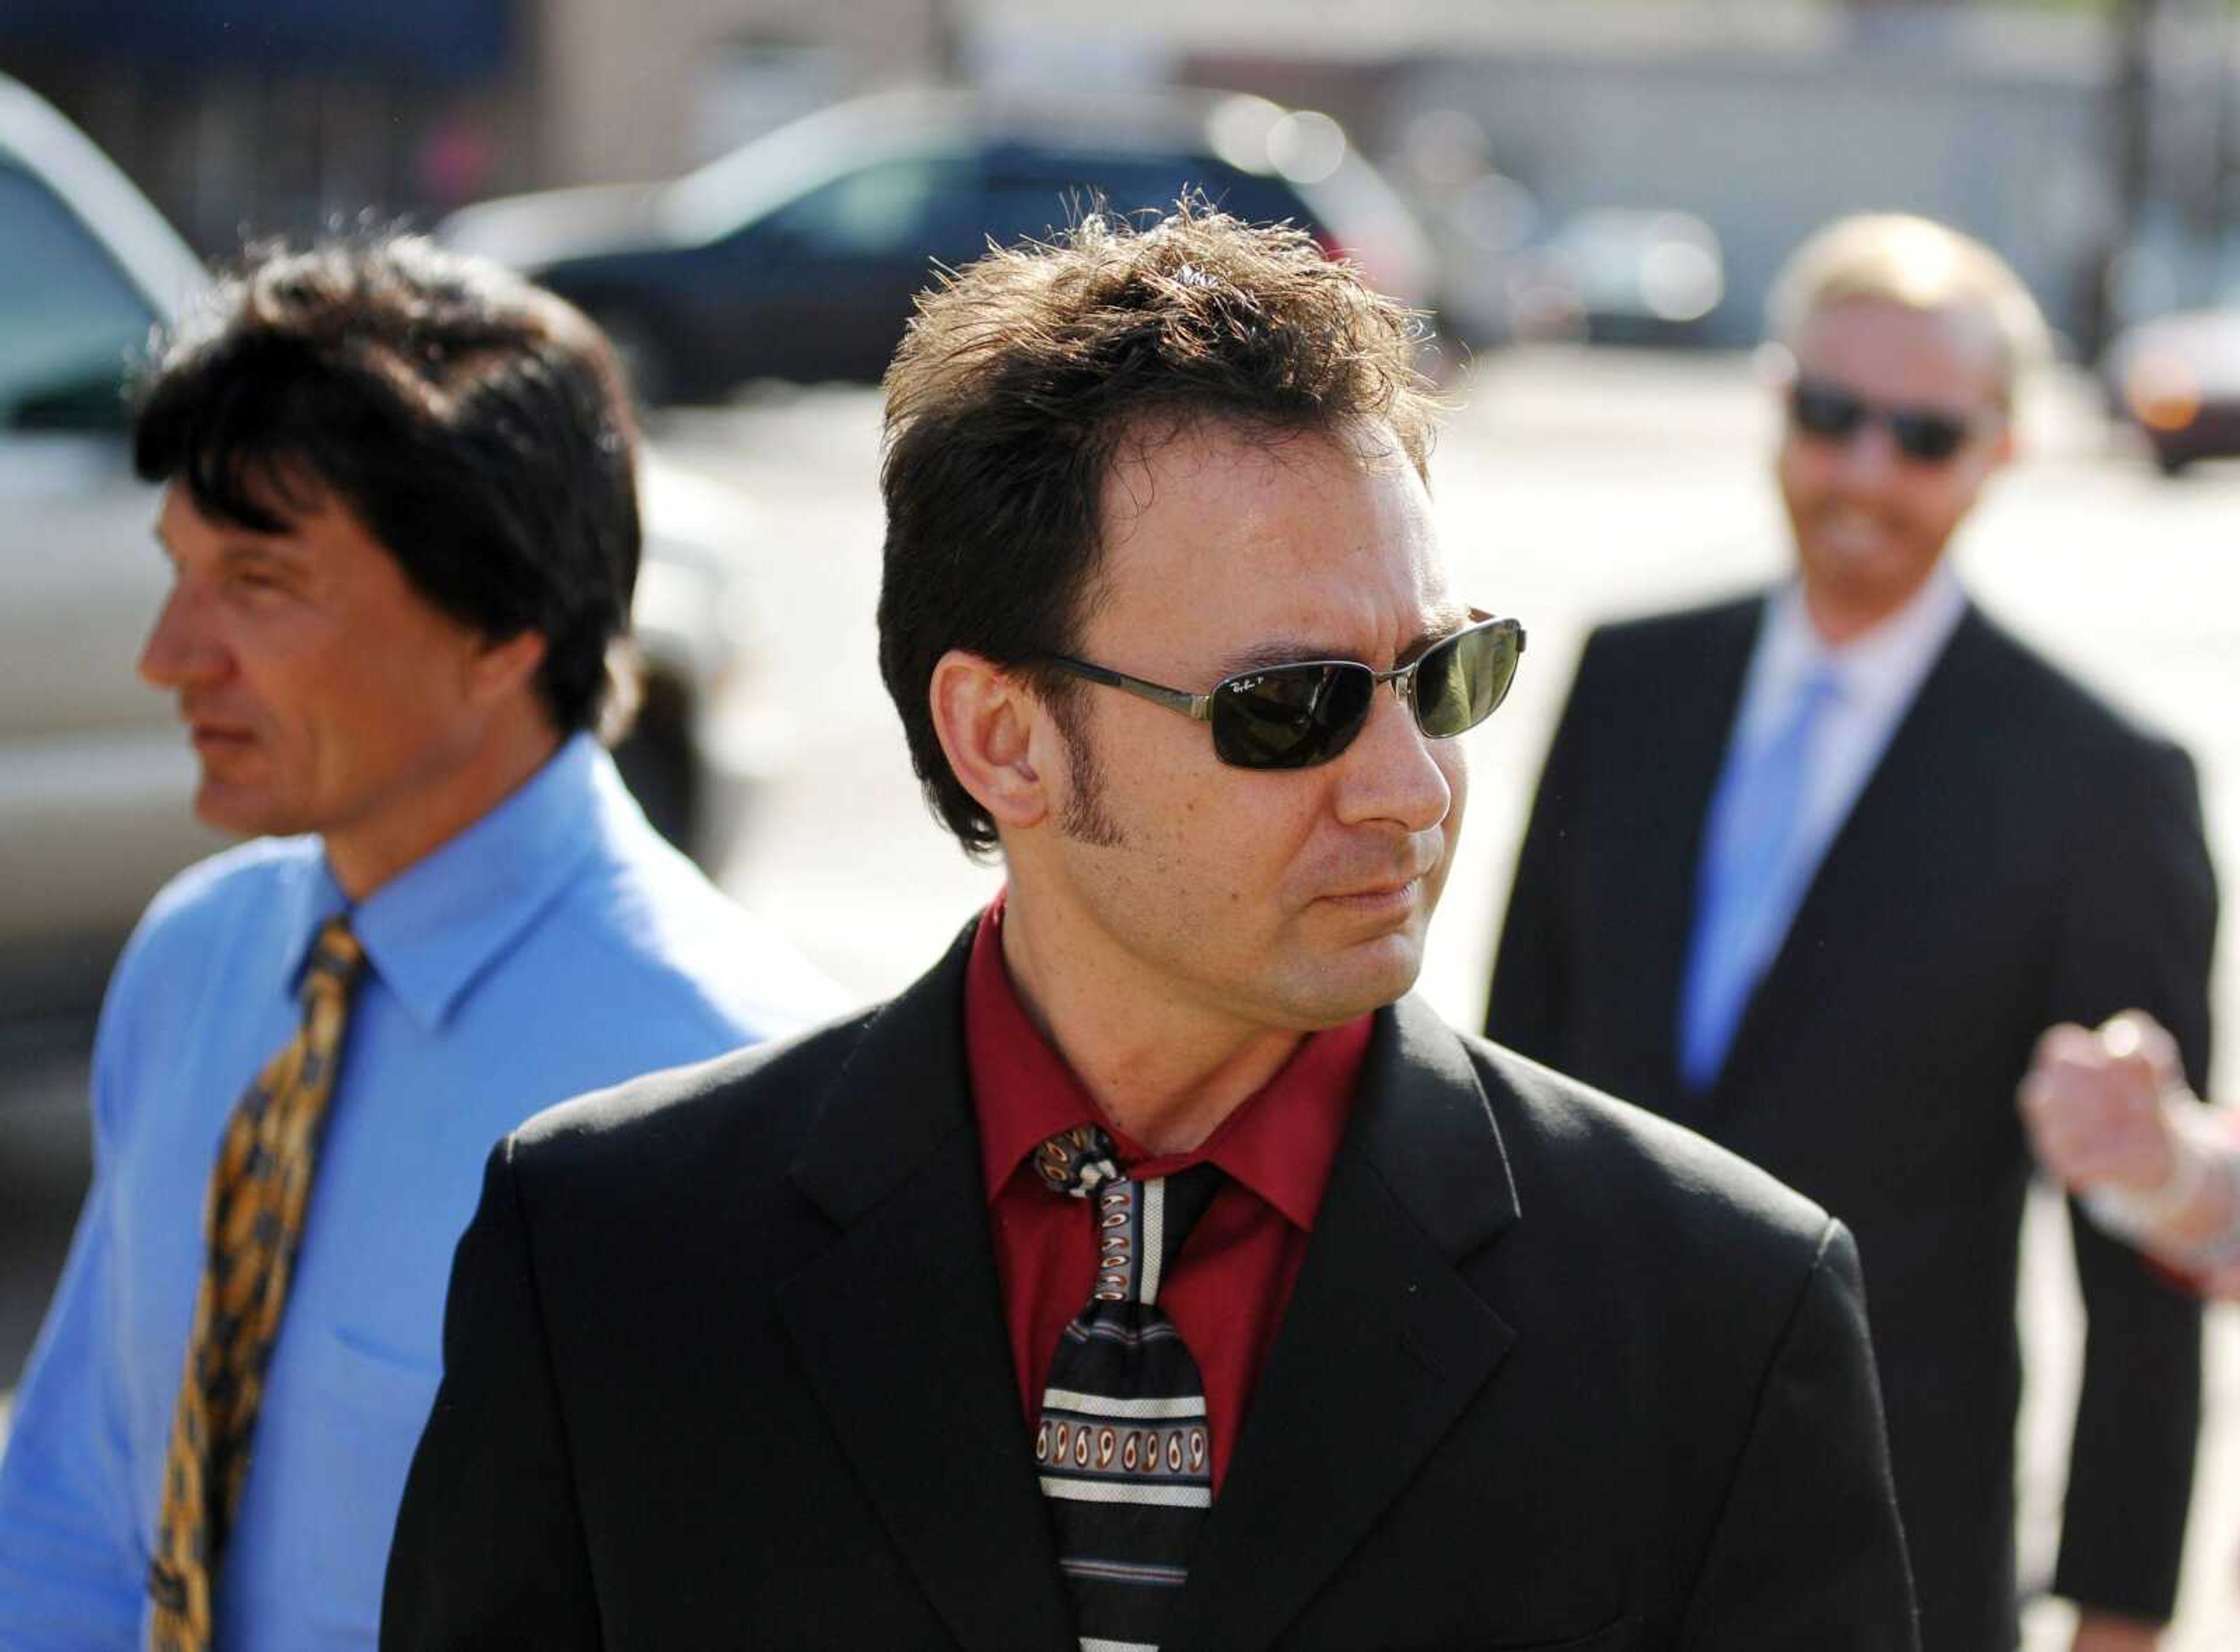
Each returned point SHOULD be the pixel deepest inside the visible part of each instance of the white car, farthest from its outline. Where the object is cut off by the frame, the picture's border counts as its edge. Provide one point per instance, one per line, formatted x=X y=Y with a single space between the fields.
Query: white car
x=95 y=770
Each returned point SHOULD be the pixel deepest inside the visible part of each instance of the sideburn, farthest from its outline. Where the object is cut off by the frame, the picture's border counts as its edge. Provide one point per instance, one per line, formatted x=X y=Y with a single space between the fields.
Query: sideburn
x=1084 y=818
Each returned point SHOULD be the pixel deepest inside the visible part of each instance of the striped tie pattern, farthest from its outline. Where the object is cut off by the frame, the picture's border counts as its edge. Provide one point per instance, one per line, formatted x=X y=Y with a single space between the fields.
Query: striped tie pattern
x=252 y=1225
x=1122 y=1446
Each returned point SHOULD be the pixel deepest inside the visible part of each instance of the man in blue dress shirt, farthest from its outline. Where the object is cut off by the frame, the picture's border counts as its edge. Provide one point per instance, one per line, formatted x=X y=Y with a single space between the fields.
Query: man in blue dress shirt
x=401 y=516
x=1810 y=870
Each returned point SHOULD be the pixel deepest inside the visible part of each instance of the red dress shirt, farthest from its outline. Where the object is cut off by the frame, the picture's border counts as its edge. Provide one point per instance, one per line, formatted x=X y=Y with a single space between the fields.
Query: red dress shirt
x=1228 y=1289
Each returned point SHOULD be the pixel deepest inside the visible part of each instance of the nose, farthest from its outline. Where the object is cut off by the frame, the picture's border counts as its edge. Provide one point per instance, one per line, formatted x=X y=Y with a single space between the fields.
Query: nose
x=1390 y=772
x=1868 y=455
x=182 y=650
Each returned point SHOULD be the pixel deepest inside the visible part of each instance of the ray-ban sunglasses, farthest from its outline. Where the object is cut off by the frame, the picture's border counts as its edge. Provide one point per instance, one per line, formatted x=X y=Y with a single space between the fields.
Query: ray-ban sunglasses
x=1832 y=412
x=1299 y=714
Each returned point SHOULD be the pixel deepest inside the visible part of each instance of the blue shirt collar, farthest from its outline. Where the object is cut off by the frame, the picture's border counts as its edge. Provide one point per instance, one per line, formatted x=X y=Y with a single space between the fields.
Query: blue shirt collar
x=431 y=930
x=1876 y=674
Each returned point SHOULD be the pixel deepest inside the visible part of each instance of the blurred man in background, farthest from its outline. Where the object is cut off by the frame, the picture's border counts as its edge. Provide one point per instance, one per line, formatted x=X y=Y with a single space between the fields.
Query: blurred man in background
x=401 y=514
x=1810 y=871
x=1153 y=1272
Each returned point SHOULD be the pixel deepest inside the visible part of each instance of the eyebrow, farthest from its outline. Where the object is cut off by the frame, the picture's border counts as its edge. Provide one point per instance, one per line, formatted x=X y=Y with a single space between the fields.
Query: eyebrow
x=1444 y=621
x=235 y=551
x=275 y=552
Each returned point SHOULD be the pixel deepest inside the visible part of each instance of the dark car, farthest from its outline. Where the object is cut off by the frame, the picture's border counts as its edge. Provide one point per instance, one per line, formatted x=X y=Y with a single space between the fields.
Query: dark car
x=798 y=255
x=1618 y=275
x=2177 y=378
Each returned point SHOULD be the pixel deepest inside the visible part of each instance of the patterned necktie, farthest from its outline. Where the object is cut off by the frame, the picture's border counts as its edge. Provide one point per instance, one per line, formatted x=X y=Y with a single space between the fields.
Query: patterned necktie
x=1753 y=872
x=252 y=1223
x=1124 y=1449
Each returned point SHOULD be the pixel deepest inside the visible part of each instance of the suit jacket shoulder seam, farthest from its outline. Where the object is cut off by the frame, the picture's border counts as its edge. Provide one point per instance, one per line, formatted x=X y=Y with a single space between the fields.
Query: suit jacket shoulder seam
x=518 y=1196
x=1810 y=1278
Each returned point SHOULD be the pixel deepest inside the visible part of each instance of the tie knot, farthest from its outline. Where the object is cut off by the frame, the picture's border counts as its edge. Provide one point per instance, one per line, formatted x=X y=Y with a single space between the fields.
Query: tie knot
x=1822 y=687
x=1077 y=1162
x=337 y=957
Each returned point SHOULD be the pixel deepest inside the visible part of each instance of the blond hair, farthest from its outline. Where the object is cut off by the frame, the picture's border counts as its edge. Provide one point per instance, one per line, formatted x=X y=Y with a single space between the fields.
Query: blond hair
x=1898 y=258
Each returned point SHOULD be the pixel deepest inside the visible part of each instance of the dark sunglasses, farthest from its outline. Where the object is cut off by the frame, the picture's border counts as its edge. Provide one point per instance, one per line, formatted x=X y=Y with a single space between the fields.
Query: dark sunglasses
x=1296 y=716
x=1925 y=435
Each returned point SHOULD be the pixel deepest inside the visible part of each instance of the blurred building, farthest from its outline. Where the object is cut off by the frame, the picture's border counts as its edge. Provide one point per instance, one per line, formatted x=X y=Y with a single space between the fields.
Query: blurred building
x=284 y=115
x=1758 y=118
x=273 y=113
x=1773 y=122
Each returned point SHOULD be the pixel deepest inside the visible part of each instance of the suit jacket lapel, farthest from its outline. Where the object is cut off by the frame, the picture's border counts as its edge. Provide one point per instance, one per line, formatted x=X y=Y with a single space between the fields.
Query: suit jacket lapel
x=1844 y=896
x=1381 y=1347
x=900 y=1328
x=1681 y=772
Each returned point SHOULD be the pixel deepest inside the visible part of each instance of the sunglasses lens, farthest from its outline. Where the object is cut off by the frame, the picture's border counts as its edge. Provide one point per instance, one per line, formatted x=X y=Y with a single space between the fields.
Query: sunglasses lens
x=1930 y=437
x=1460 y=683
x=1834 y=414
x=1290 y=716
x=1824 y=411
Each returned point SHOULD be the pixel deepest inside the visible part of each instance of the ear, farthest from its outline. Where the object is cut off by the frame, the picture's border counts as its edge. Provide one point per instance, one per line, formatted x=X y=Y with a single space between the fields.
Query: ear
x=500 y=667
x=986 y=719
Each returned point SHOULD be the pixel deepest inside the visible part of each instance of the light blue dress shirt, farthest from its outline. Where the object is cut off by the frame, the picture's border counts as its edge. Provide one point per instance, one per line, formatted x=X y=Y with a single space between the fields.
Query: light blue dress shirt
x=557 y=946
x=1750 y=891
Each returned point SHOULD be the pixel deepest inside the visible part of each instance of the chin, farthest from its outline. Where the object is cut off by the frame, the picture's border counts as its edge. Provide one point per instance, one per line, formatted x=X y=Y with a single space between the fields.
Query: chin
x=1886 y=570
x=228 y=809
x=1370 y=976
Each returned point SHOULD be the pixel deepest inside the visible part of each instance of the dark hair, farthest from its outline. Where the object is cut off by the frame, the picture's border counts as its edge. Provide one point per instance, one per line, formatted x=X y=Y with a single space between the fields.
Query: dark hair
x=476 y=425
x=1022 y=375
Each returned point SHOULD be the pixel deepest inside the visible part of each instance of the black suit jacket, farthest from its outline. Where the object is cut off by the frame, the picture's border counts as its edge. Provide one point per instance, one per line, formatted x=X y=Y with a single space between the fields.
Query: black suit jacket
x=725 y=1364
x=2019 y=856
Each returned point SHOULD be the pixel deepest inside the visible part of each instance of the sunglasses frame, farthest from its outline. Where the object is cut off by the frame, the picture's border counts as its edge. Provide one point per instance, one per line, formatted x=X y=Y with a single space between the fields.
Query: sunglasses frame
x=1897 y=418
x=1200 y=707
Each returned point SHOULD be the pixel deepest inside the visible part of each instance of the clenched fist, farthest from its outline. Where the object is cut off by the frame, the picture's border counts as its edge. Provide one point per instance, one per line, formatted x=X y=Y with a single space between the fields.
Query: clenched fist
x=2109 y=1115
x=2095 y=1104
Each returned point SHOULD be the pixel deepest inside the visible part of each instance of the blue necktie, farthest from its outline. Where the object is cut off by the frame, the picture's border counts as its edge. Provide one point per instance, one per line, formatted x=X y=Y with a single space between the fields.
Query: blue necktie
x=1753 y=872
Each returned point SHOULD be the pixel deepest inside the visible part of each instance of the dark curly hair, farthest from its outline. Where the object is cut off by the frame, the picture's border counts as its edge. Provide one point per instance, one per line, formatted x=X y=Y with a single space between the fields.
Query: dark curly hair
x=476 y=426
x=1022 y=377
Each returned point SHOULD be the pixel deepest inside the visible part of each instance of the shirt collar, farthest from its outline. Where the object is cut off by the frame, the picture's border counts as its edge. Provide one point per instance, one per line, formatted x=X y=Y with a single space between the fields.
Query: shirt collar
x=1280 y=1143
x=1879 y=668
x=431 y=931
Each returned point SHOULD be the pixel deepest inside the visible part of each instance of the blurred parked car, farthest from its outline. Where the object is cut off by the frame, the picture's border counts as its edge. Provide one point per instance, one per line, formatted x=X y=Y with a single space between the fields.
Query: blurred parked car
x=798 y=255
x=2177 y=379
x=1617 y=276
x=95 y=770
x=1478 y=227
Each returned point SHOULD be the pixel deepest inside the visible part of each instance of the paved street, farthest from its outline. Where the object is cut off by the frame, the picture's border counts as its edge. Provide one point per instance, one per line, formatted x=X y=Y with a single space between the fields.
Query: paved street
x=1568 y=487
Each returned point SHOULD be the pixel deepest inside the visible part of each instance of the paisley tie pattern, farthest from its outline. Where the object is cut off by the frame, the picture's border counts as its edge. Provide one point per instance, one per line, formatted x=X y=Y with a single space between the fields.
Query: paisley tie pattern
x=1123 y=1445
x=253 y=1223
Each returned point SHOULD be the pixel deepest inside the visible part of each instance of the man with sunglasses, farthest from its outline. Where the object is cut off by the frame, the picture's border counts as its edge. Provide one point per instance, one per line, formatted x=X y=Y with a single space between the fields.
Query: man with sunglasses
x=1354 y=1332
x=1809 y=871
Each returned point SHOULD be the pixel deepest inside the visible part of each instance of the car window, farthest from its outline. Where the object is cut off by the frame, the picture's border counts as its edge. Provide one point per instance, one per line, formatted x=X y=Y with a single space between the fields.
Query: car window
x=1257 y=199
x=1033 y=192
x=890 y=209
x=1033 y=195
x=70 y=319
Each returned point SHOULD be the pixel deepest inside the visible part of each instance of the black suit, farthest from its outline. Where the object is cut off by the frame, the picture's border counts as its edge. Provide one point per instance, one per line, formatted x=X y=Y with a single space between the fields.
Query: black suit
x=725 y=1364
x=2019 y=856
